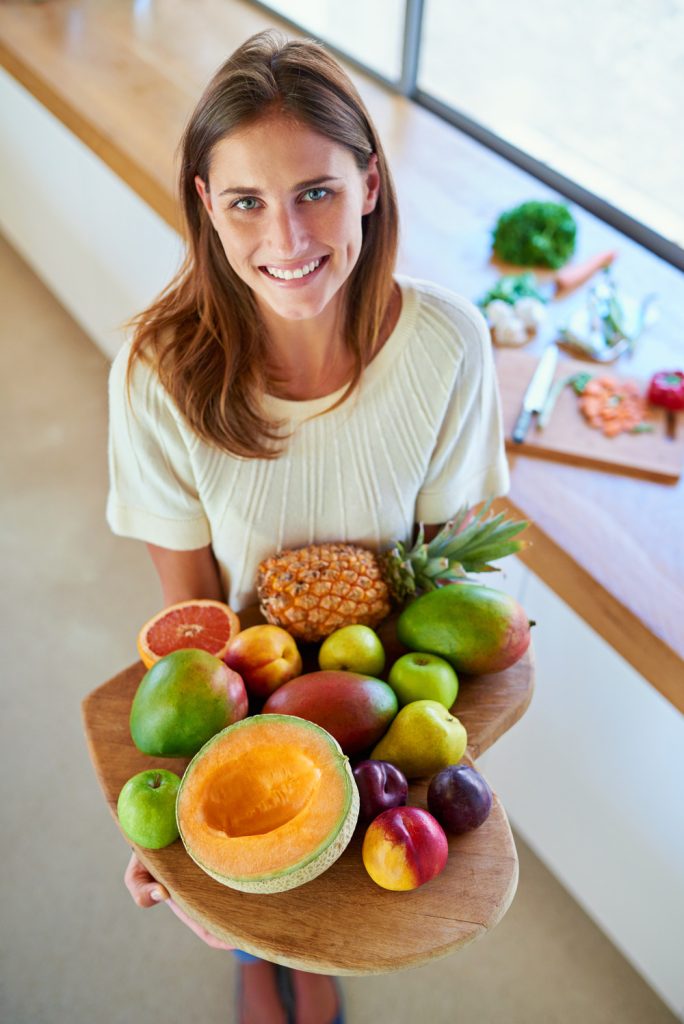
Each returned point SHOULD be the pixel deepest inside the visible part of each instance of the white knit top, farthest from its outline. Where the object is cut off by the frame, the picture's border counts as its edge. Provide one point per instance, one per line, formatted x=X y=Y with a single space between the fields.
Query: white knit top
x=420 y=437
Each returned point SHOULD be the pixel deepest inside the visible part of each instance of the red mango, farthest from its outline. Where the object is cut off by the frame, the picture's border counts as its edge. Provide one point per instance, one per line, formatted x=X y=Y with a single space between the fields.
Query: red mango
x=355 y=709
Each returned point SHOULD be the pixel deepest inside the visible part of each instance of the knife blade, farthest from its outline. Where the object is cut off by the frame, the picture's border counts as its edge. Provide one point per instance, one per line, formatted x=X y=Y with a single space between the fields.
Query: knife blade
x=536 y=392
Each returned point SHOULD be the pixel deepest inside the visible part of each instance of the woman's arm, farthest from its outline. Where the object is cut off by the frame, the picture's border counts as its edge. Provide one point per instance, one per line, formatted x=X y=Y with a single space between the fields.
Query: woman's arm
x=183 y=575
x=187 y=574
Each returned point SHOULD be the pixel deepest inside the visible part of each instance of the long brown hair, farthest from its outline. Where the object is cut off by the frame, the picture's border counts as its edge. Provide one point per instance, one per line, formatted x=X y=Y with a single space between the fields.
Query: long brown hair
x=204 y=333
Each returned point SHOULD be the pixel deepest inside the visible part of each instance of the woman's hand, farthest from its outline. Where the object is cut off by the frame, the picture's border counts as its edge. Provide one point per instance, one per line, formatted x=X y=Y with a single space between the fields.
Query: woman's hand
x=146 y=891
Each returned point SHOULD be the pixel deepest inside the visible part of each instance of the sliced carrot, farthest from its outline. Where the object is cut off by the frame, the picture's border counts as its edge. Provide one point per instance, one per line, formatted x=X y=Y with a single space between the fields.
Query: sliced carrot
x=612 y=406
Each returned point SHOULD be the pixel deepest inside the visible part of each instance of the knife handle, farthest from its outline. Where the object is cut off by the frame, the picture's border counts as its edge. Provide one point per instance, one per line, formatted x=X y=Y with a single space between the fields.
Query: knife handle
x=522 y=425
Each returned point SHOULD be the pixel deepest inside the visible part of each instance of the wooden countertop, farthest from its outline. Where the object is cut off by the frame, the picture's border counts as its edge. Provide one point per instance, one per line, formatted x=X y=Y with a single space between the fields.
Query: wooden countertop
x=123 y=77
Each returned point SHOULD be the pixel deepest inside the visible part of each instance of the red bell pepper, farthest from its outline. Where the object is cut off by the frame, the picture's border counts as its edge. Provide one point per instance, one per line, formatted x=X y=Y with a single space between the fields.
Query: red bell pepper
x=667 y=390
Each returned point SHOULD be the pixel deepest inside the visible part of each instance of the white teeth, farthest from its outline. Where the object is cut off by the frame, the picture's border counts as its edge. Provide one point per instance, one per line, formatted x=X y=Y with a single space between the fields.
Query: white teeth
x=288 y=275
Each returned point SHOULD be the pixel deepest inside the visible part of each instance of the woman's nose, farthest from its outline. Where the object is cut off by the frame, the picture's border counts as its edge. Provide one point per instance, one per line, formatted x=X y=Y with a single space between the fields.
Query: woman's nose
x=287 y=234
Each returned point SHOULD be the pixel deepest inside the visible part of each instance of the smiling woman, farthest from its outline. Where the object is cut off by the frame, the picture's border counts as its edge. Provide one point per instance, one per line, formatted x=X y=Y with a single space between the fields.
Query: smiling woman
x=279 y=116
x=286 y=389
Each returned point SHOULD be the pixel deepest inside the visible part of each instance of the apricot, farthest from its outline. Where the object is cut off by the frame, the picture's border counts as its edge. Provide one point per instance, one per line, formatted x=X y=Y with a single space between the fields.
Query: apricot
x=265 y=656
x=404 y=848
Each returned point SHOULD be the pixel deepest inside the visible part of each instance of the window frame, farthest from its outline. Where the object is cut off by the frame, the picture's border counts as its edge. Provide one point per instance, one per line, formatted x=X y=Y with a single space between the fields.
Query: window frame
x=407 y=86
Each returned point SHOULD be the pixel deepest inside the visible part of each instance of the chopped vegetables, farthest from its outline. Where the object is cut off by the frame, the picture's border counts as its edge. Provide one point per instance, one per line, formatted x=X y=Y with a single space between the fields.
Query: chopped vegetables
x=612 y=405
x=535 y=234
x=667 y=389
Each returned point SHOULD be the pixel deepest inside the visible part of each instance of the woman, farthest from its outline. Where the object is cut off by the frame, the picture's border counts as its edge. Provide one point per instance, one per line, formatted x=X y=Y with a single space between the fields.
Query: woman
x=286 y=389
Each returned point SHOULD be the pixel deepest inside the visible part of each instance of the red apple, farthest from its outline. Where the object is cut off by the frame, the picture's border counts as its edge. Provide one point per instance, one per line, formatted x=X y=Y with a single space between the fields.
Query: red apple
x=265 y=656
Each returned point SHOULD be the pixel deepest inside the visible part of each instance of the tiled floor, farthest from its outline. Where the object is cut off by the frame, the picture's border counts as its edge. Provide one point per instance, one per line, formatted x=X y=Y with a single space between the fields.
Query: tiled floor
x=74 y=949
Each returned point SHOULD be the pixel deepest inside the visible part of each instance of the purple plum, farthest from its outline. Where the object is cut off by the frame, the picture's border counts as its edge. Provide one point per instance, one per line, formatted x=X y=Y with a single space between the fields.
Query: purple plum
x=381 y=786
x=460 y=798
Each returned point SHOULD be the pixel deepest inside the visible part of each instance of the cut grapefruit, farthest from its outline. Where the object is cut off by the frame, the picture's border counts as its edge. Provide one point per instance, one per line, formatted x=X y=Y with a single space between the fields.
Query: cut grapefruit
x=202 y=623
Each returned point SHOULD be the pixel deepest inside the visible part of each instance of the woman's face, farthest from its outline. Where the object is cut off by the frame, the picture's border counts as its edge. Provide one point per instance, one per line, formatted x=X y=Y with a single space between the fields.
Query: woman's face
x=287 y=203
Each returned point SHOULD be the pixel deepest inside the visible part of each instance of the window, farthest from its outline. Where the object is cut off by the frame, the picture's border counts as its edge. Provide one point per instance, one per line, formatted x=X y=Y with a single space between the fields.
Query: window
x=586 y=96
x=370 y=31
x=591 y=89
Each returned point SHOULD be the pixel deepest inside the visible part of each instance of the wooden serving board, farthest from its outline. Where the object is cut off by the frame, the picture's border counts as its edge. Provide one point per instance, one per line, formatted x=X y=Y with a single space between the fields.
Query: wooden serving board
x=341 y=922
x=567 y=436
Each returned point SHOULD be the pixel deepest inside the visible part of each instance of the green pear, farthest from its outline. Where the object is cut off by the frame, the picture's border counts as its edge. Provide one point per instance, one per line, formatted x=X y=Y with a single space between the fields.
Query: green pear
x=423 y=738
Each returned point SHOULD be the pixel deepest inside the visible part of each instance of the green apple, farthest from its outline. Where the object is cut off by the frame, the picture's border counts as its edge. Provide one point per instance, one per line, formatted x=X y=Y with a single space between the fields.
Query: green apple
x=418 y=676
x=147 y=808
x=354 y=648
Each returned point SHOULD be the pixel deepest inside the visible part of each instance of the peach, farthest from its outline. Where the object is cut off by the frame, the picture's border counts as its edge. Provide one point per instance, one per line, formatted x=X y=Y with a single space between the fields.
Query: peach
x=403 y=848
x=265 y=656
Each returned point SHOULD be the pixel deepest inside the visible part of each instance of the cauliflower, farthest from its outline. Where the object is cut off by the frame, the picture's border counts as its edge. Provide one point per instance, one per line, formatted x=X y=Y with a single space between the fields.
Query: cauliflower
x=531 y=311
x=499 y=312
x=511 y=332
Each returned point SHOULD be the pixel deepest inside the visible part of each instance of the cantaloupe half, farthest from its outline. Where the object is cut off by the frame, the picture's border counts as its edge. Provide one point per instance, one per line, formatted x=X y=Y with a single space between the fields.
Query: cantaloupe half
x=267 y=804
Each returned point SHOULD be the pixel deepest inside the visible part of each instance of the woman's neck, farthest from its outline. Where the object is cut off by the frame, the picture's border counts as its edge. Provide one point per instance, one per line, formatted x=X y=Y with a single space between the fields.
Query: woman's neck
x=310 y=358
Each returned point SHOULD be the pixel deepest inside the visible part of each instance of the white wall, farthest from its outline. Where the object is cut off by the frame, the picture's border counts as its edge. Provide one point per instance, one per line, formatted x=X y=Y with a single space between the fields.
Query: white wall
x=593 y=775
x=98 y=247
x=593 y=778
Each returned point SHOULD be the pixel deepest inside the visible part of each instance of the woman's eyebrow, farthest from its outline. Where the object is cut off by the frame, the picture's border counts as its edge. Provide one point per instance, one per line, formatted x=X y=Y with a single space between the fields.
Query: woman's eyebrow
x=249 y=190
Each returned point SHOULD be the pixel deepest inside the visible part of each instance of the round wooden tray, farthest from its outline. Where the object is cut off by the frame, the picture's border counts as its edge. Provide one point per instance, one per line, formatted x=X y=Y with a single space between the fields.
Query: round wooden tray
x=341 y=922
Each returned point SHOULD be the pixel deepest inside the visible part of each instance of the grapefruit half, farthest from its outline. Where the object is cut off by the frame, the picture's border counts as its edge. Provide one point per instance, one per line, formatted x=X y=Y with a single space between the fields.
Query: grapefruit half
x=202 y=623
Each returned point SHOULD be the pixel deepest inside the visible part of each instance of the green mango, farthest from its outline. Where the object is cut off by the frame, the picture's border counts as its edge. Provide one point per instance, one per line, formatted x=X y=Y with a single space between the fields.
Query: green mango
x=476 y=629
x=182 y=701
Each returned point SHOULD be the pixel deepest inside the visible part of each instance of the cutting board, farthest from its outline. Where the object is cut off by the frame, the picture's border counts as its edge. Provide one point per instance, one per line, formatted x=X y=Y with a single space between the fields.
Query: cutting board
x=341 y=922
x=567 y=437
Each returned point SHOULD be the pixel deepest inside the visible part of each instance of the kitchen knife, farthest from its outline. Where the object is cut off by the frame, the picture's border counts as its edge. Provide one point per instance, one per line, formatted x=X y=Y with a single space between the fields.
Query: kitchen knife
x=537 y=390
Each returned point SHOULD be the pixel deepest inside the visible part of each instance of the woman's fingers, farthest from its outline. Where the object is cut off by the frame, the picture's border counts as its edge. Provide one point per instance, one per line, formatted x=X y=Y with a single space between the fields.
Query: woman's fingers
x=201 y=932
x=143 y=887
x=146 y=891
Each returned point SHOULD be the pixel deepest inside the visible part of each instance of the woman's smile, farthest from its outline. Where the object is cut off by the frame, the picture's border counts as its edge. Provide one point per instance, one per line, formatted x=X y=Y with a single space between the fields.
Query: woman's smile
x=296 y=273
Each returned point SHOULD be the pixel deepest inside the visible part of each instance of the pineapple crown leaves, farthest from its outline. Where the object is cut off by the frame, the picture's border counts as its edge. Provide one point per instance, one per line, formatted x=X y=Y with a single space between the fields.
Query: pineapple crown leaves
x=468 y=542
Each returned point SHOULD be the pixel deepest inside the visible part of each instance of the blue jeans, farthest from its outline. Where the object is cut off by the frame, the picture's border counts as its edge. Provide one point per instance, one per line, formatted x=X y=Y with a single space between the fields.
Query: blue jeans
x=246 y=958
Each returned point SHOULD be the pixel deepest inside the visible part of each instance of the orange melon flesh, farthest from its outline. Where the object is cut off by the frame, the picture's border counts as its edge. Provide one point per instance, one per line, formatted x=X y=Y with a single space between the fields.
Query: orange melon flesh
x=267 y=804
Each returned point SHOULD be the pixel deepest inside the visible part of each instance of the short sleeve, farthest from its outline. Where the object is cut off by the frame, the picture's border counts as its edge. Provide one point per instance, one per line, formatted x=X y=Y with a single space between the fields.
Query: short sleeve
x=468 y=464
x=152 y=492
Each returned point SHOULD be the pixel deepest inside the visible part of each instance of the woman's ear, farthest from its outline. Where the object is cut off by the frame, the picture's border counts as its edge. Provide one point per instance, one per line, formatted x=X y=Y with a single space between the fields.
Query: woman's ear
x=372 y=185
x=205 y=196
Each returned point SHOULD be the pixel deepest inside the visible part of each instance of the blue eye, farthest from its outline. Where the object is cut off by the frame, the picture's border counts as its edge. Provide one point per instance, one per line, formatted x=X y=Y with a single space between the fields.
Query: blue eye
x=312 y=195
x=238 y=204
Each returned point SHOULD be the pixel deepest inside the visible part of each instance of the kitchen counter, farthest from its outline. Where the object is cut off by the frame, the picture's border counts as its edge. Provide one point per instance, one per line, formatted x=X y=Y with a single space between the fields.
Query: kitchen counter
x=123 y=78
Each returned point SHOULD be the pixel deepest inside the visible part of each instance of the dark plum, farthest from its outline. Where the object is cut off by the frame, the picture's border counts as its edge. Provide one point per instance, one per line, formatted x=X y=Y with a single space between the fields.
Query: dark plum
x=460 y=798
x=381 y=786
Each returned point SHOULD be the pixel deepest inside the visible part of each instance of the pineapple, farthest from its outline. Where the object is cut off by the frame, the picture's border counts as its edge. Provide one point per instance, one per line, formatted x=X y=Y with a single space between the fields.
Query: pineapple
x=313 y=591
